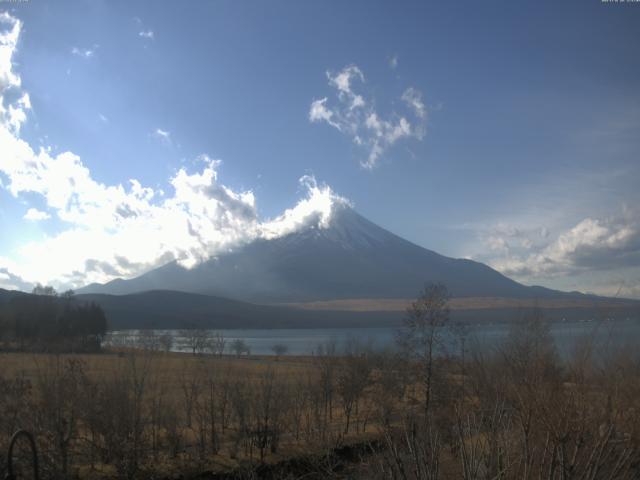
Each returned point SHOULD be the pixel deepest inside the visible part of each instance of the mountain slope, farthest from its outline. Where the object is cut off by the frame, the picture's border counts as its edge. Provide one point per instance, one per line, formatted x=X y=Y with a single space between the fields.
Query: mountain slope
x=8 y=295
x=352 y=258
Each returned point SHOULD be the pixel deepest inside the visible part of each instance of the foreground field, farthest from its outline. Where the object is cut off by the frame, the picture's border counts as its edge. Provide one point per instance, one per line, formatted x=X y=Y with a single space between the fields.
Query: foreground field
x=128 y=414
x=517 y=412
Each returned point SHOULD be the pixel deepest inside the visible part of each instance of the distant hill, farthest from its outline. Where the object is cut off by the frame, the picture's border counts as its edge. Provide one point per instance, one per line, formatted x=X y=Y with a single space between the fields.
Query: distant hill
x=7 y=295
x=350 y=259
x=162 y=309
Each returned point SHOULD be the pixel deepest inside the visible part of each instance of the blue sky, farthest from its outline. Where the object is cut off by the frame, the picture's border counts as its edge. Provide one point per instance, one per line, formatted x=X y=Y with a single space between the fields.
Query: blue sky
x=507 y=132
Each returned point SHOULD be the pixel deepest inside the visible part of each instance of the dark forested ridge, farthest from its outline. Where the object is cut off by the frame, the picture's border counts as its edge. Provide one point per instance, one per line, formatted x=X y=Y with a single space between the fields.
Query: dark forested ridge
x=49 y=322
x=163 y=309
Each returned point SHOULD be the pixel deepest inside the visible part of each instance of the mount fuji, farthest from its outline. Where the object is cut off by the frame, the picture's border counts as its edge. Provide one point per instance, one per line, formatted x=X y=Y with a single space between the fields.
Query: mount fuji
x=351 y=258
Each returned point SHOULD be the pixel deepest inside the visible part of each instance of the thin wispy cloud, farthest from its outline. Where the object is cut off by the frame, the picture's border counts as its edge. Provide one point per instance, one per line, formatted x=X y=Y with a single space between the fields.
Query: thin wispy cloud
x=145 y=33
x=354 y=115
x=163 y=136
x=86 y=53
x=393 y=62
x=413 y=98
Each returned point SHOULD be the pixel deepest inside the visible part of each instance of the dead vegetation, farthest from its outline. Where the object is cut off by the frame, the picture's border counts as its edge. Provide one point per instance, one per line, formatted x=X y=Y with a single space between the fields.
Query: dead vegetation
x=429 y=411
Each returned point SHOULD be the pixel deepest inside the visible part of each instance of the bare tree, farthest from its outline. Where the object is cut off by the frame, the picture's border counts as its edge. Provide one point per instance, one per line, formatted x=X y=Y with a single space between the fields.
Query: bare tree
x=324 y=359
x=240 y=347
x=423 y=334
x=217 y=344
x=197 y=340
x=191 y=387
x=279 y=349
x=353 y=377
x=44 y=290
x=269 y=405
x=390 y=386
x=59 y=383
x=166 y=342
x=148 y=340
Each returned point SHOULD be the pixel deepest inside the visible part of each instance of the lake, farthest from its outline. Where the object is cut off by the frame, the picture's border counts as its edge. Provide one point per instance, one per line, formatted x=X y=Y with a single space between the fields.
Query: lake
x=608 y=336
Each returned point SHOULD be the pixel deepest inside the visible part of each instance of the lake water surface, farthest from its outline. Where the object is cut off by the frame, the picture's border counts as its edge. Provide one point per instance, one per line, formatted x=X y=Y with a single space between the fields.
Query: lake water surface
x=607 y=335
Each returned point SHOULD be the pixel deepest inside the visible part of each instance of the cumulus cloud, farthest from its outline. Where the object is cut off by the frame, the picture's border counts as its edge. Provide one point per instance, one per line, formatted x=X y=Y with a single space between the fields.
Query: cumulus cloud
x=35 y=215
x=8 y=40
x=355 y=116
x=123 y=230
x=593 y=244
x=10 y=281
x=15 y=103
x=316 y=209
x=393 y=62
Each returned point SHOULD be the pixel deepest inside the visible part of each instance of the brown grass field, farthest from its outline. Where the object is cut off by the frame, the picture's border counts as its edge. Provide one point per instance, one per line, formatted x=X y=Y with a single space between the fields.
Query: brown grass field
x=464 y=303
x=177 y=384
x=518 y=412
x=171 y=365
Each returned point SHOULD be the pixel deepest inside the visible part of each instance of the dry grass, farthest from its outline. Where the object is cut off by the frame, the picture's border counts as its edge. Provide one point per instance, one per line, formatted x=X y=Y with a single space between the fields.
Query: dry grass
x=466 y=303
x=490 y=408
x=170 y=366
x=167 y=375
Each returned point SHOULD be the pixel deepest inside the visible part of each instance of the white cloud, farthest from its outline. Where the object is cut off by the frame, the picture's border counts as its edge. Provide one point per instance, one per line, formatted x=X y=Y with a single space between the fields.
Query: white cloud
x=319 y=112
x=356 y=117
x=163 y=135
x=384 y=134
x=413 y=98
x=393 y=62
x=85 y=53
x=35 y=215
x=14 y=113
x=593 y=244
x=11 y=28
x=505 y=241
x=317 y=208
x=342 y=80
x=123 y=230
x=145 y=33
x=9 y=281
